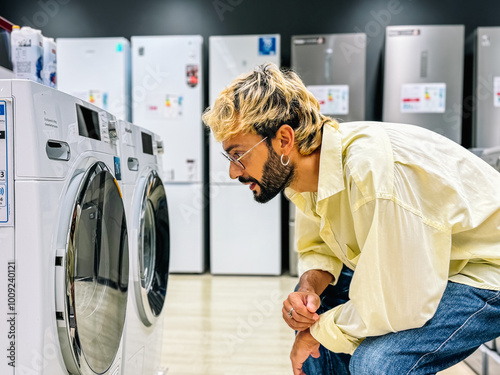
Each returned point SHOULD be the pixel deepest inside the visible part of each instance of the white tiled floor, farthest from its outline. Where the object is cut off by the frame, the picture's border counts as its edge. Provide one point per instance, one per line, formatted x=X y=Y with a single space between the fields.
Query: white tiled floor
x=221 y=325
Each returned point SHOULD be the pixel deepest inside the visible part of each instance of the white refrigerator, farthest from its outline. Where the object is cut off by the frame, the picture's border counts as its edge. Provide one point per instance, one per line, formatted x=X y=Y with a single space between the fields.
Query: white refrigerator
x=245 y=236
x=167 y=98
x=96 y=70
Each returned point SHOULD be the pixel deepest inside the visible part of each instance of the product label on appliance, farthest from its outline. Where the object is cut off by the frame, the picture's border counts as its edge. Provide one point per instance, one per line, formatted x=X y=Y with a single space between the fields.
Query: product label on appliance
x=423 y=98
x=333 y=99
x=98 y=98
x=164 y=106
x=267 y=45
x=173 y=106
x=496 y=91
x=4 y=187
x=309 y=40
x=404 y=32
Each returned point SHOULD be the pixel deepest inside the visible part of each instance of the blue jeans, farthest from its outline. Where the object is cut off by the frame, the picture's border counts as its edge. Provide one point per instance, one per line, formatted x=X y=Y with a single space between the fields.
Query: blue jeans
x=466 y=317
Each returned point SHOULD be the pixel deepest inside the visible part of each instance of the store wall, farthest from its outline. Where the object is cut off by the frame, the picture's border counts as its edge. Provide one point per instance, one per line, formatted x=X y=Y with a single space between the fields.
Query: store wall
x=93 y=18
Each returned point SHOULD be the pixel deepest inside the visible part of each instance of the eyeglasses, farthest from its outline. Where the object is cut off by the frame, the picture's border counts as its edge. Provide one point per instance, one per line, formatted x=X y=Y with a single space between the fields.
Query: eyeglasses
x=236 y=160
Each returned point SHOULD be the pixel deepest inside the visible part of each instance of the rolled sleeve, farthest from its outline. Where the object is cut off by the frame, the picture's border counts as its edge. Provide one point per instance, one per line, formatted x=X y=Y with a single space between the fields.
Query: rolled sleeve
x=400 y=277
x=313 y=252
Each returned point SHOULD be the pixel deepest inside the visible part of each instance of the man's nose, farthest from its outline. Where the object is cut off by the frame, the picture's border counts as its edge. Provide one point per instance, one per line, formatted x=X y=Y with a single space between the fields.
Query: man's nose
x=235 y=171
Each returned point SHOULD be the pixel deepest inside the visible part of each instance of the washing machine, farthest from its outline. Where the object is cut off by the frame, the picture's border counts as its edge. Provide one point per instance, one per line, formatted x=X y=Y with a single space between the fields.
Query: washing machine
x=149 y=244
x=63 y=234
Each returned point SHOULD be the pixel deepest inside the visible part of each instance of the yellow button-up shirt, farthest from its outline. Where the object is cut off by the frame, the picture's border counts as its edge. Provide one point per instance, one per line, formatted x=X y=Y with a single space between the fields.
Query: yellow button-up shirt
x=408 y=210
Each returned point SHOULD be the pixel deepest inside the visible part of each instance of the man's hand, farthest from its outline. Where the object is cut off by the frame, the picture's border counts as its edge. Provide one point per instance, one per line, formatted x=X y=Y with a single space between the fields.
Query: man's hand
x=304 y=306
x=304 y=346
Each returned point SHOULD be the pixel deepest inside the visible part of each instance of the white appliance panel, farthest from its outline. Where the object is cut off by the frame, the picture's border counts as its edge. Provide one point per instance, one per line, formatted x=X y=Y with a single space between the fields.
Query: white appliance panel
x=168 y=100
x=143 y=330
x=186 y=208
x=96 y=70
x=229 y=57
x=245 y=235
x=30 y=243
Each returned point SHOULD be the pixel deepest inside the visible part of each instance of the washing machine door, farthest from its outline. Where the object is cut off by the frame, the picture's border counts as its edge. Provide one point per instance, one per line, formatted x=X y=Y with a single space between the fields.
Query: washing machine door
x=94 y=272
x=153 y=245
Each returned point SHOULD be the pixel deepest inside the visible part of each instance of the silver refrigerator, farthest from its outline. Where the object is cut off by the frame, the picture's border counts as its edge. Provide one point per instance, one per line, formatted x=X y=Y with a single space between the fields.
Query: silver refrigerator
x=486 y=88
x=486 y=144
x=333 y=68
x=423 y=77
x=486 y=95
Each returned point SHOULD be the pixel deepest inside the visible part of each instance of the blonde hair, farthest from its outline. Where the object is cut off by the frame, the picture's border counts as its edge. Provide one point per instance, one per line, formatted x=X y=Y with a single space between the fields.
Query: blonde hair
x=261 y=101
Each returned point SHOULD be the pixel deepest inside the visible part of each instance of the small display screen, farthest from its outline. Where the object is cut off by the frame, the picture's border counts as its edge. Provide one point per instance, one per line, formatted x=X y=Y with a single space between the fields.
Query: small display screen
x=147 y=143
x=88 y=122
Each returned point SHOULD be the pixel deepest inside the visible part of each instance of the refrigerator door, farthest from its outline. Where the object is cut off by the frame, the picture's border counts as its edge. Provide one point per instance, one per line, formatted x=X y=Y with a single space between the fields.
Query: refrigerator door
x=167 y=99
x=486 y=120
x=245 y=235
x=333 y=67
x=423 y=77
x=96 y=70
x=185 y=205
x=229 y=57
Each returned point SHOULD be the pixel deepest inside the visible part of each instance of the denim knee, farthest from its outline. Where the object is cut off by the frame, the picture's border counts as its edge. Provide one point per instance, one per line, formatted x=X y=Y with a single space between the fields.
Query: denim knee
x=367 y=360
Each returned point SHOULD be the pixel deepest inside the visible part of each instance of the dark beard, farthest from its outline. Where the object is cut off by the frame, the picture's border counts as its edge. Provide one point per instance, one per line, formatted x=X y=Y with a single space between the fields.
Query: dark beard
x=275 y=178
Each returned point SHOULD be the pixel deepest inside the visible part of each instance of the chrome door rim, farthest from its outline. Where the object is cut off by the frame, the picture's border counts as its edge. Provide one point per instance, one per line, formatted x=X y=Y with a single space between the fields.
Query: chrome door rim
x=74 y=342
x=150 y=297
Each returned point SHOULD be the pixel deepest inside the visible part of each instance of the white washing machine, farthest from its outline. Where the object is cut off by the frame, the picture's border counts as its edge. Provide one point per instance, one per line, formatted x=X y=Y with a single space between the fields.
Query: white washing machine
x=64 y=252
x=149 y=243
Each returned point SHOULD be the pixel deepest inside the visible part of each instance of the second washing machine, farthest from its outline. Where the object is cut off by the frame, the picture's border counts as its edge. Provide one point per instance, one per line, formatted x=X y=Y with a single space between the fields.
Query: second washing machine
x=149 y=243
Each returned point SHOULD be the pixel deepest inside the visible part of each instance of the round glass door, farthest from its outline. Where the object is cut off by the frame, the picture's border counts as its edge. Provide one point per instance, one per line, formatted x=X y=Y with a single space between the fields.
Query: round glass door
x=153 y=249
x=96 y=271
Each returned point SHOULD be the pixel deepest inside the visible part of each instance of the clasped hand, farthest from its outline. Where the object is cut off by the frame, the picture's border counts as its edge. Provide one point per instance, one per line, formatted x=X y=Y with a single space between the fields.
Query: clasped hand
x=300 y=318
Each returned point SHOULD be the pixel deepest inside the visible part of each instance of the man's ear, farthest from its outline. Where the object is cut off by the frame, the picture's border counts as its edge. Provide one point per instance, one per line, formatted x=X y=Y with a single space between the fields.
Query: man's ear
x=286 y=137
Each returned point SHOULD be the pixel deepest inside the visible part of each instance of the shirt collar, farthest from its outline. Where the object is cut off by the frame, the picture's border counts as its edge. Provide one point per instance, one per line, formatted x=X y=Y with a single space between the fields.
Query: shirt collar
x=331 y=170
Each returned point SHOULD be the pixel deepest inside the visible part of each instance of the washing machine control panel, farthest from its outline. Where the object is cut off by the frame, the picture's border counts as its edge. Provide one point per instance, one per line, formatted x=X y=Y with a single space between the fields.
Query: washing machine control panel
x=4 y=162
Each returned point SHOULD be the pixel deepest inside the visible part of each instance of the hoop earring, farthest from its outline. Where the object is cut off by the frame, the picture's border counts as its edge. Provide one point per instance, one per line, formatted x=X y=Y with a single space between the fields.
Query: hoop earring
x=288 y=161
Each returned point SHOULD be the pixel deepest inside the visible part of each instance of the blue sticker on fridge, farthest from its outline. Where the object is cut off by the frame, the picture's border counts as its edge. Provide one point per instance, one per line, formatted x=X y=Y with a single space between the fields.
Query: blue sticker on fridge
x=267 y=45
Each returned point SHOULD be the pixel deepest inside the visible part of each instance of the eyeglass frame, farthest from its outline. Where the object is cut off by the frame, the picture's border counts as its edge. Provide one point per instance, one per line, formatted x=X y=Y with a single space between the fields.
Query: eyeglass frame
x=237 y=161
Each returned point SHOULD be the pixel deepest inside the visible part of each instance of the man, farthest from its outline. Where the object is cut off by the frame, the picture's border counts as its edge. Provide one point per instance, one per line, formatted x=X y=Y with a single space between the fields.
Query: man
x=414 y=215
